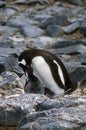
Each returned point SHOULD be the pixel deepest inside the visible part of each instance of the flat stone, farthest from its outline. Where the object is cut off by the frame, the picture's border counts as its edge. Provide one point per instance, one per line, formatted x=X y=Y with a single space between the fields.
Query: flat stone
x=10 y=11
x=78 y=2
x=71 y=28
x=43 y=41
x=32 y=2
x=57 y=19
x=53 y=30
x=31 y=31
x=77 y=49
x=18 y=22
x=8 y=51
x=5 y=30
x=66 y=43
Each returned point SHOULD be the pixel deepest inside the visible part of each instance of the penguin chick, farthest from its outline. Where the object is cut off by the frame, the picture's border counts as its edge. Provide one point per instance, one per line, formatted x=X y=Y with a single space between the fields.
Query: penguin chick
x=48 y=69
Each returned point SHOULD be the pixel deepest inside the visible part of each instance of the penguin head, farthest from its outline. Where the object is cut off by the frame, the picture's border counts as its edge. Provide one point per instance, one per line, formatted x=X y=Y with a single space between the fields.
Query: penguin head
x=22 y=61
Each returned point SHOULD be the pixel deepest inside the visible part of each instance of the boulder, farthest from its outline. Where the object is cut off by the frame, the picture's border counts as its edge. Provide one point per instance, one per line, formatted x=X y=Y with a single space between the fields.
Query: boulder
x=62 y=113
x=9 y=81
x=14 y=107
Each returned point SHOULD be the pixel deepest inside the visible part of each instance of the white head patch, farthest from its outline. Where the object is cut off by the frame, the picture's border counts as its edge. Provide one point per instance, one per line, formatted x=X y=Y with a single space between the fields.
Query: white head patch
x=23 y=62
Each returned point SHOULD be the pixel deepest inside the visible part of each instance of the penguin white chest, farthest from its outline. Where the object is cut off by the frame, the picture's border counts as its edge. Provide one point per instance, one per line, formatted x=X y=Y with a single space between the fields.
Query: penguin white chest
x=42 y=70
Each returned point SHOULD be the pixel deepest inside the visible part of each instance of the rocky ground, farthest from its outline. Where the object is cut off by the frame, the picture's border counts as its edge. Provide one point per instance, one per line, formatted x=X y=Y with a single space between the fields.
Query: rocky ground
x=58 y=26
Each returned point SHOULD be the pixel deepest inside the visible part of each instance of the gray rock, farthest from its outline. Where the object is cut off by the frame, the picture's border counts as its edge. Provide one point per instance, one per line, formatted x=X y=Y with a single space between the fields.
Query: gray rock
x=57 y=19
x=8 y=51
x=81 y=58
x=13 y=108
x=10 y=80
x=66 y=43
x=2 y=18
x=83 y=27
x=43 y=41
x=71 y=28
x=2 y=4
x=77 y=2
x=61 y=112
x=10 y=11
x=77 y=71
x=2 y=65
x=5 y=30
x=31 y=31
x=5 y=44
x=41 y=17
x=19 y=21
x=77 y=49
x=69 y=116
x=53 y=30
x=32 y=2
x=10 y=63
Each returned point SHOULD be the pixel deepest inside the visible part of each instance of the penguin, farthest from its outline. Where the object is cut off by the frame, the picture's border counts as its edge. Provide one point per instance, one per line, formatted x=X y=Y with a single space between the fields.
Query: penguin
x=48 y=69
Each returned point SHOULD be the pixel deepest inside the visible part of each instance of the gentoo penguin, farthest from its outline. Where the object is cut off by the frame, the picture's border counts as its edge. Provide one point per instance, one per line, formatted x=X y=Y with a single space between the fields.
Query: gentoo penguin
x=48 y=69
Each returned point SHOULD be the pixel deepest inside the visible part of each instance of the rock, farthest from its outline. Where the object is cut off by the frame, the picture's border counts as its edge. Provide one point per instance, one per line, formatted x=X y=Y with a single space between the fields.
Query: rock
x=10 y=11
x=31 y=31
x=42 y=110
x=10 y=63
x=43 y=41
x=8 y=51
x=81 y=58
x=53 y=30
x=77 y=49
x=19 y=21
x=44 y=2
x=2 y=4
x=41 y=17
x=18 y=41
x=57 y=19
x=76 y=70
x=77 y=2
x=4 y=30
x=2 y=18
x=2 y=65
x=13 y=108
x=40 y=42
x=83 y=27
x=71 y=28
x=66 y=43
x=71 y=115
x=10 y=80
